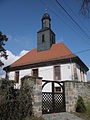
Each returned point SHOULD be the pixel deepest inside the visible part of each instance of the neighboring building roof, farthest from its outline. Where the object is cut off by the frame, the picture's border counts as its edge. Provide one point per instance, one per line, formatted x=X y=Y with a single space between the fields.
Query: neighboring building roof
x=58 y=51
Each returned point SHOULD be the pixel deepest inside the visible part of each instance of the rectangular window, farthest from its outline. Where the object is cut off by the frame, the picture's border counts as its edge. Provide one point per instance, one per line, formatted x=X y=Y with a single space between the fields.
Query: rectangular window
x=83 y=75
x=35 y=72
x=57 y=72
x=16 y=76
x=53 y=41
x=43 y=38
x=58 y=89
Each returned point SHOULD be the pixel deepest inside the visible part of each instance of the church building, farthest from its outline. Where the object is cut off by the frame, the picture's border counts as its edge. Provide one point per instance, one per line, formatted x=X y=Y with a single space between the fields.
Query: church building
x=50 y=60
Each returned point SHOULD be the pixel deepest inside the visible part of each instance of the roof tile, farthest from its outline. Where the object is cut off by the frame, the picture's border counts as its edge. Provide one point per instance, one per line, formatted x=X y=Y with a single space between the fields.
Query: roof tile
x=57 y=51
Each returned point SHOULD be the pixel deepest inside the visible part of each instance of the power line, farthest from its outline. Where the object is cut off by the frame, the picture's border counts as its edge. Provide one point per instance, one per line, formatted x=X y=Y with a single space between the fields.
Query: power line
x=75 y=15
x=43 y=3
x=72 y=19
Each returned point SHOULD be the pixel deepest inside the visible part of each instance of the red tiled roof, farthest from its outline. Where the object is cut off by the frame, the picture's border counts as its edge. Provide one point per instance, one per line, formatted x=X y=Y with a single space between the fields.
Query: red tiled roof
x=57 y=51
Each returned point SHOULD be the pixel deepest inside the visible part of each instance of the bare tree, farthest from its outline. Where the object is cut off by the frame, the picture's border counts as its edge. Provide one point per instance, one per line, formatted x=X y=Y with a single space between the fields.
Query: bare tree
x=85 y=7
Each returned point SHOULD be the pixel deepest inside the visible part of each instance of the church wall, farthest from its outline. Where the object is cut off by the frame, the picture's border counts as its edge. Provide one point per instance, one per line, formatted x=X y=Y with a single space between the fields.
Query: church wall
x=84 y=75
x=11 y=75
x=67 y=71
x=78 y=72
x=47 y=73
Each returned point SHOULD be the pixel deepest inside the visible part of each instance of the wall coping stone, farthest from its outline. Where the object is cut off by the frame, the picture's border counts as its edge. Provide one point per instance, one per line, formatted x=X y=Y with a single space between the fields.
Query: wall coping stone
x=75 y=81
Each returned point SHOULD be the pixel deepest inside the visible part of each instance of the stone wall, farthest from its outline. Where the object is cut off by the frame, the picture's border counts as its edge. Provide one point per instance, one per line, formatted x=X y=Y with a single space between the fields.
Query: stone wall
x=73 y=89
x=35 y=85
x=28 y=98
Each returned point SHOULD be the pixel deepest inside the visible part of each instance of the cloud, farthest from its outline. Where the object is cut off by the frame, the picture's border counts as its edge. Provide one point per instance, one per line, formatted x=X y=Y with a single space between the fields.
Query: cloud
x=11 y=58
x=23 y=52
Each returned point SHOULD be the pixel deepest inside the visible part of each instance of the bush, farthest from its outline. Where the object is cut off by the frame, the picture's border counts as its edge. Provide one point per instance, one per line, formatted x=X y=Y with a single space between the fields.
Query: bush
x=80 y=105
x=88 y=109
x=15 y=104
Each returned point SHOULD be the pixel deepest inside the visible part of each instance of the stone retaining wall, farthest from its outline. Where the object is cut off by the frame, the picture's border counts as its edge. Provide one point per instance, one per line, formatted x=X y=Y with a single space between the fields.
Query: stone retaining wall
x=73 y=89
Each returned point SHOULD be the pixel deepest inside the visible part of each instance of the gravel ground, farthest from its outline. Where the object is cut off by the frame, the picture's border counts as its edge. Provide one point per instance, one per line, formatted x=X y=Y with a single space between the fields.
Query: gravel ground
x=61 y=116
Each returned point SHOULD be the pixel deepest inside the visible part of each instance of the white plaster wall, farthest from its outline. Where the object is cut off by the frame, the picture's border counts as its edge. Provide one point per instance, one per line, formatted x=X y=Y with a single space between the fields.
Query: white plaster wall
x=47 y=74
x=85 y=77
x=11 y=75
x=67 y=71
x=23 y=73
x=78 y=72
x=79 y=76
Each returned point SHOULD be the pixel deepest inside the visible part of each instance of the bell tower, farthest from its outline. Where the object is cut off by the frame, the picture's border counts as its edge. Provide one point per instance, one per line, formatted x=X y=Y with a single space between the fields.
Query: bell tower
x=45 y=36
x=46 y=21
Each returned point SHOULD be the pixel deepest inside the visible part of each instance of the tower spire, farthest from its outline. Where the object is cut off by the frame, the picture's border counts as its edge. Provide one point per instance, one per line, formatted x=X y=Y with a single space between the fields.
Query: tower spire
x=46 y=10
x=45 y=37
x=46 y=20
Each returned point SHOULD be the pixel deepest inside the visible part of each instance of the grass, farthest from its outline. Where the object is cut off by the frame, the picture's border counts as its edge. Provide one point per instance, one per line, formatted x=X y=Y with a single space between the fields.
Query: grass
x=85 y=115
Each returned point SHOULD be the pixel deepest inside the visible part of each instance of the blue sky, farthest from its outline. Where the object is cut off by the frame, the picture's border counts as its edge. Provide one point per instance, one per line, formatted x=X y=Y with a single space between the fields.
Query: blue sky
x=21 y=19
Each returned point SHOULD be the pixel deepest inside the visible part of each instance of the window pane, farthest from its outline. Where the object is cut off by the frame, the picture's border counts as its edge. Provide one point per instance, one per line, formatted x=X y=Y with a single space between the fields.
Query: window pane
x=17 y=76
x=35 y=72
x=43 y=39
x=57 y=72
x=58 y=89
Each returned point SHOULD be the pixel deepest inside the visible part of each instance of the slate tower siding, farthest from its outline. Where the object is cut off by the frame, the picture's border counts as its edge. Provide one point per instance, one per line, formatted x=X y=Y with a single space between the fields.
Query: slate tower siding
x=47 y=33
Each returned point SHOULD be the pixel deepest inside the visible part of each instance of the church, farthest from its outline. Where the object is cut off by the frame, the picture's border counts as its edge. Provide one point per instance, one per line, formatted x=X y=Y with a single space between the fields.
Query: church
x=50 y=60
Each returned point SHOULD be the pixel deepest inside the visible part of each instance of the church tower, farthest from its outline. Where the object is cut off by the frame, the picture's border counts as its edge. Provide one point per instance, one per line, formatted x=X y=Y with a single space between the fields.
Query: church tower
x=45 y=37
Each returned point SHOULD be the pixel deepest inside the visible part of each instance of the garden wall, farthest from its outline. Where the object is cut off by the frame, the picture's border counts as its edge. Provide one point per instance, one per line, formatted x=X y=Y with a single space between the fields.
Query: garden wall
x=74 y=89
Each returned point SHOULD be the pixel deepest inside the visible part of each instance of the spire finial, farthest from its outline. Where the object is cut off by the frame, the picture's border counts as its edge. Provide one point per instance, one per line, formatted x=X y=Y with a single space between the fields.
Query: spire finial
x=45 y=10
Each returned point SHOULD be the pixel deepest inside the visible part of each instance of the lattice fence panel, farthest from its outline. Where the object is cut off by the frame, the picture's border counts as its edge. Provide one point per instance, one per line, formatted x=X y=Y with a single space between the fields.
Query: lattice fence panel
x=59 y=102
x=47 y=104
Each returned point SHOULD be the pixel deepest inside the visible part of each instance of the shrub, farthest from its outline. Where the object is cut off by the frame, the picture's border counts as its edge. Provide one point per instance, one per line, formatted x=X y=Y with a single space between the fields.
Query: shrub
x=15 y=104
x=80 y=105
x=88 y=108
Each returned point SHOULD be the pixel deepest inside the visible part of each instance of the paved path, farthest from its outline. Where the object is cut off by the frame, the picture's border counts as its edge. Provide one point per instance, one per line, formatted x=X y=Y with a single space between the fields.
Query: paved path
x=61 y=116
